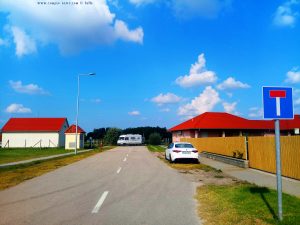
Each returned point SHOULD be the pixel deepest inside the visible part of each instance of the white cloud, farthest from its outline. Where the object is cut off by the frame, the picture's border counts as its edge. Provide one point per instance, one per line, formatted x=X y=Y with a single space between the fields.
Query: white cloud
x=293 y=76
x=134 y=113
x=96 y=100
x=166 y=99
x=24 y=44
x=187 y=9
x=205 y=102
x=255 y=112
x=165 y=110
x=231 y=83
x=3 y=42
x=17 y=108
x=72 y=28
x=26 y=89
x=285 y=15
x=198 y=75
x=230 y=107
x=297 y=101
x=141 y=2
x=125 y=34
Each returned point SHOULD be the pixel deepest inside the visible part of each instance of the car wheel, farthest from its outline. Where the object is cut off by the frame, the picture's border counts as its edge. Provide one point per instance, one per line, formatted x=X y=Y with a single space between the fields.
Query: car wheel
x=171 y=160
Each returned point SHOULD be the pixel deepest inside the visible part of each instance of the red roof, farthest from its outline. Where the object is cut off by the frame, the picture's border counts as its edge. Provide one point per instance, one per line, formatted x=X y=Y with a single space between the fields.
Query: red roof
x=72 y=129
x=34 y=124
x=221 y=120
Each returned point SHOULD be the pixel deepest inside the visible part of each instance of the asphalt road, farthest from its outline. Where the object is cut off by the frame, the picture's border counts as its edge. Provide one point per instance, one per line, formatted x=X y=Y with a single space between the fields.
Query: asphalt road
x=123 y=186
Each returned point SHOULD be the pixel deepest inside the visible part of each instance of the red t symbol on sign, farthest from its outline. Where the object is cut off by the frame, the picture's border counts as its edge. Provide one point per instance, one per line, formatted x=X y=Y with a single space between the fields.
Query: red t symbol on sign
x=278 y=94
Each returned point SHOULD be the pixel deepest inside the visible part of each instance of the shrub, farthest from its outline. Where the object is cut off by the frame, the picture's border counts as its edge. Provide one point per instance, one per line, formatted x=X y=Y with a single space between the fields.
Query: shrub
x=154 y=139
x=111 y=136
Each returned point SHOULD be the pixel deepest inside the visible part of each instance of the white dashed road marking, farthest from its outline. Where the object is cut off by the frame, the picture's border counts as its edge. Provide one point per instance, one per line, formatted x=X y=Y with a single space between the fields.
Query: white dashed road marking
x=100 y=202
x=119 y=170
x=124 y=160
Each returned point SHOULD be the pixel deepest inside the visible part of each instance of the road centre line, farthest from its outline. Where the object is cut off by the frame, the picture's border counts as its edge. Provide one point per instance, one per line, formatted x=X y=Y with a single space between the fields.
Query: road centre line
x=100 y=202
x=119 y=170
x=124 y=160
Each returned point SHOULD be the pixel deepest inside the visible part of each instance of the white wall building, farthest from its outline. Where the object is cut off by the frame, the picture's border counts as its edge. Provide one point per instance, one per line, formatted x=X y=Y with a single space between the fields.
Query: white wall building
x=34 y=132
x=70 y=137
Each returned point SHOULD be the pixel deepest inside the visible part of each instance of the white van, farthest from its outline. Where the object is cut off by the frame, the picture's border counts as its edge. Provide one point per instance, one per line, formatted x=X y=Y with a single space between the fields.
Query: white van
x=130 y=139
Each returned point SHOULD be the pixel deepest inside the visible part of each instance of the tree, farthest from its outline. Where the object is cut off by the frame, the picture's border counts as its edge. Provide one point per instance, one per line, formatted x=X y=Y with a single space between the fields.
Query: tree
x=111 y=136
x=97 y=133
x=146 y=131
x=154 y=139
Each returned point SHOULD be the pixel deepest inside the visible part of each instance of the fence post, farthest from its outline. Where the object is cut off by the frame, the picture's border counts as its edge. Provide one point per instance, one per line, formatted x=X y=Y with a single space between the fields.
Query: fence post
x=246 y=147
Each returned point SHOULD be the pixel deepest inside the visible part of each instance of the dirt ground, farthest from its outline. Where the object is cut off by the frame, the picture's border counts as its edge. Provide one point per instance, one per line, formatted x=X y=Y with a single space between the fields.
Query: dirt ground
x=199 y=173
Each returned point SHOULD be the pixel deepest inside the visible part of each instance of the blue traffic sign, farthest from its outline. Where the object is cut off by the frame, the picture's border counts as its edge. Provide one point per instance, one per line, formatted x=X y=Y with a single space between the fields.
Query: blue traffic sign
x=278 y=103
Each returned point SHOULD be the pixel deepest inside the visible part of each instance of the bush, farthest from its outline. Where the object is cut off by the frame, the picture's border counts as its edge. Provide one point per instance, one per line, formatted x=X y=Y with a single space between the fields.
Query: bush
x=154 y=139
x=111 y=136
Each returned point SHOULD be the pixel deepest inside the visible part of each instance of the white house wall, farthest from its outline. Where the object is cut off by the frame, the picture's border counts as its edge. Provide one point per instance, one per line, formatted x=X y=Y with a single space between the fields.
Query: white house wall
x=61 y=141
x=70 y=141
x=22 y=140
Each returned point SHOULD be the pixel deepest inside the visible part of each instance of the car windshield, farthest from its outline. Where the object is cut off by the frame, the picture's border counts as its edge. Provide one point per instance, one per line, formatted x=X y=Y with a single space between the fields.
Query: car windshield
x=121 y=138
x=184 y=146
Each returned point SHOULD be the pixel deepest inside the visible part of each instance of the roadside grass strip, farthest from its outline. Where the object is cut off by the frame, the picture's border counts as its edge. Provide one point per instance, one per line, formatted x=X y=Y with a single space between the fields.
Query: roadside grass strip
x=244 y=204
x=156 y=148
x=192 y=166
x=13 y=175
x=19 y=154
x=189 y=166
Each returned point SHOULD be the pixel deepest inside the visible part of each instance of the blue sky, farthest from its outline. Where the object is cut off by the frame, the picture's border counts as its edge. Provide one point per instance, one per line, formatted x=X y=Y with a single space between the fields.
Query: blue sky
x=157 y=62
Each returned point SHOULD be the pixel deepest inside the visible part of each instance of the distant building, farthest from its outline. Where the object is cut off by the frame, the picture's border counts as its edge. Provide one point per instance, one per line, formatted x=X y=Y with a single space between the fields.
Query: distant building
x=219 y=124
x=70 y=137
x=34 y=132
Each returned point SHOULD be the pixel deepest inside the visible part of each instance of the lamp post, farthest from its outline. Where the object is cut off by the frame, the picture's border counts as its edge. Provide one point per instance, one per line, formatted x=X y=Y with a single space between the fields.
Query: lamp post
x=77 y=108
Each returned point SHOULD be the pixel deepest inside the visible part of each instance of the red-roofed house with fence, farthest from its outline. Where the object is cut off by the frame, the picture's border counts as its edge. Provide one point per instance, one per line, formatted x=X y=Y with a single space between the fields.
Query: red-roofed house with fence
x=70 y=137
x=34 y=132
x=220 y=124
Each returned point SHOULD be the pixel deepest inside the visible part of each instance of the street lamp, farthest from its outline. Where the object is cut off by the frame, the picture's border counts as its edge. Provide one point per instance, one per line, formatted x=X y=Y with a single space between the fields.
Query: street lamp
x=77 y=111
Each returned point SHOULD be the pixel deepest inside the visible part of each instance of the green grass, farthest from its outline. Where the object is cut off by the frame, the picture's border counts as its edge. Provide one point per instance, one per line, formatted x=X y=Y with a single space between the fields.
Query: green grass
x=13 y=175
x=19 y=154
x=245 y=204
x=156 y=148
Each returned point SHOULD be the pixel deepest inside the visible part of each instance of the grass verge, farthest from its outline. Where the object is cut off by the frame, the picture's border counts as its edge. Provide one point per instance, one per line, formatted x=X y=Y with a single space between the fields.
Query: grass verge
x=244 y=204
x=13 y=175
x=184 y=164
x=19 y=154
x=156 y=148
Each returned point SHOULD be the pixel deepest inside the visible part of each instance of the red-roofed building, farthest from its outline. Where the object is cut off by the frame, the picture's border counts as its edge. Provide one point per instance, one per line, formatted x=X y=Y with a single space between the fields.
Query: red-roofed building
x=220 y=124
x=34 y=132
x=71 y=137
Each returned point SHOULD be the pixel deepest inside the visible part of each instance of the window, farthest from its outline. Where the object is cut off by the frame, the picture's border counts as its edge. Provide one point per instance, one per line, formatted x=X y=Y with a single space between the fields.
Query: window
x=184 y=146
x=132 y=138
x=171 y=145
x=126 y=139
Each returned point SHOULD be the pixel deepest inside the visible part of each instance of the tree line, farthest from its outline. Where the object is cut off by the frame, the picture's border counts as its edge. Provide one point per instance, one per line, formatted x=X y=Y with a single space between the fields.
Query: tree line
x=110 y=135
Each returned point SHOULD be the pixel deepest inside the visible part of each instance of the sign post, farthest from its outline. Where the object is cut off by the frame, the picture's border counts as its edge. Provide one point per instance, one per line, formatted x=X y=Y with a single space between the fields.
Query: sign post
x=278 y=104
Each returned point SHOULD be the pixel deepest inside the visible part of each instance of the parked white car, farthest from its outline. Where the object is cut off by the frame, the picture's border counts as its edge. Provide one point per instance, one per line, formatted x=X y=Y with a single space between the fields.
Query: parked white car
x=181 y=150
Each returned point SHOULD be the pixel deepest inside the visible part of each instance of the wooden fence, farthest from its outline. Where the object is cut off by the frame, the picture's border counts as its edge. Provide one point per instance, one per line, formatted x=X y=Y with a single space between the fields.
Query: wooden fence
x=261 y=151
x=262 y=154
x=228 y=146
